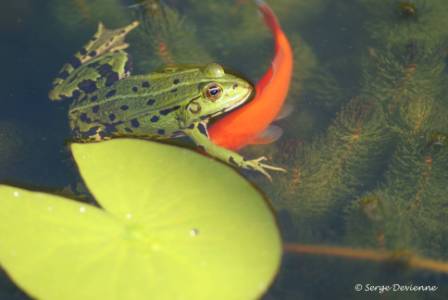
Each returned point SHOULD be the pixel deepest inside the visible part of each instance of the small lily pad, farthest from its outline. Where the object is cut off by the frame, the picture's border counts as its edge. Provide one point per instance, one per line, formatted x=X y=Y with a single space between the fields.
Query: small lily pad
x=175 y=225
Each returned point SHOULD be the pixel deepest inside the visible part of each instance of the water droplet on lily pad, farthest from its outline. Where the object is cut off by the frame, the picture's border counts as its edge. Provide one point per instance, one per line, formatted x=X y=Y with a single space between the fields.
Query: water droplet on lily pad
x=194 y=232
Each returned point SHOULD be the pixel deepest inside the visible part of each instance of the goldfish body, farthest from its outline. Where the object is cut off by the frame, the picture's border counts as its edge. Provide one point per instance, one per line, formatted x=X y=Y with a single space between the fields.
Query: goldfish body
x=248 y=124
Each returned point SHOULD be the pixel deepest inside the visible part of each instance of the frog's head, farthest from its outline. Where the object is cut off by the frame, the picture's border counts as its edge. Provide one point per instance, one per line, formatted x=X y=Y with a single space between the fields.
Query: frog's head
x=218 y=92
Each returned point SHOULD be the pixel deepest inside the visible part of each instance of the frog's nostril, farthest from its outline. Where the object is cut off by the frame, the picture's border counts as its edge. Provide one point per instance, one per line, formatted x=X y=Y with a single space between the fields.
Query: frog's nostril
x=235 y=85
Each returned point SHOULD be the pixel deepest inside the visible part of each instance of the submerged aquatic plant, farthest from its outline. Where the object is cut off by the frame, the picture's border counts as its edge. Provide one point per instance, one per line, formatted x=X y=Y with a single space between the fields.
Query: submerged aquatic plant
x=170 y=228
x=366 y=144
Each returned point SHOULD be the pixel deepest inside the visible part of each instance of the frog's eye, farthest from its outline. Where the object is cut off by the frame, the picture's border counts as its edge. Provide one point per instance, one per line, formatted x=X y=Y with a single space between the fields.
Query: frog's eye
x=213 y=91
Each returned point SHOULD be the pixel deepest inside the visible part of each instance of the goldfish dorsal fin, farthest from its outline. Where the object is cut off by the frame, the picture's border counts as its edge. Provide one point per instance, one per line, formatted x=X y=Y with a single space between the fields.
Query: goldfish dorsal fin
x=270 y=135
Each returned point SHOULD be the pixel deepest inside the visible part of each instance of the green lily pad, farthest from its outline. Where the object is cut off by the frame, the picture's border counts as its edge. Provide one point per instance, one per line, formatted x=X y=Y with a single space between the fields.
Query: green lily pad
x=175 y=225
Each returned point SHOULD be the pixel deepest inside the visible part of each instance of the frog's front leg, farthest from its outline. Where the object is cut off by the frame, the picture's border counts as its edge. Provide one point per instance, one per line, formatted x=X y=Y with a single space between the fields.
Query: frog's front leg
x=198 y=133
x=99 y=63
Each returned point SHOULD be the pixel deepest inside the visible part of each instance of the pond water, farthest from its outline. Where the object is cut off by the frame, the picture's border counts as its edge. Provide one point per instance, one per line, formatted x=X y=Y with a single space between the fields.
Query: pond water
x=365 y=146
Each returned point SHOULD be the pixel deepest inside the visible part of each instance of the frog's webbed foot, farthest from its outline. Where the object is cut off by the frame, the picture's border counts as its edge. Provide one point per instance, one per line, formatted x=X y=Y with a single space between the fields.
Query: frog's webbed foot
x=257 y=165
x=199 y=134
x=106 y=40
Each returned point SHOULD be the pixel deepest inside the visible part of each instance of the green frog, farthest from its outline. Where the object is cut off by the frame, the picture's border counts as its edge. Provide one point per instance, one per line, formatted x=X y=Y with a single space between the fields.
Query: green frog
x=175 y=101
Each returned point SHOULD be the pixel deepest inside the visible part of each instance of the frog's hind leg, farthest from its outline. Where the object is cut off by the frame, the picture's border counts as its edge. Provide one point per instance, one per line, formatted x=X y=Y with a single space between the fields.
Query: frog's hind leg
x=95 y=74
x=101 y=58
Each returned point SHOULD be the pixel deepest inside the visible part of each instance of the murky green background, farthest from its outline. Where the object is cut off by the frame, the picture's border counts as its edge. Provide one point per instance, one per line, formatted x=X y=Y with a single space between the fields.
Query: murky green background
x=365 y=148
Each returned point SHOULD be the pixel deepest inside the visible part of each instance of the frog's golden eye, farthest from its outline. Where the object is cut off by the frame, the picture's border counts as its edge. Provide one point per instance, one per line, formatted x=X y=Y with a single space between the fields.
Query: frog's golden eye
x=213 y=91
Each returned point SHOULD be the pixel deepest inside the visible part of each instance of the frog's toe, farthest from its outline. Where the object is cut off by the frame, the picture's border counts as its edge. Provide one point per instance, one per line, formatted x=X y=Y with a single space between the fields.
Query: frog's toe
x=272 y=168
x=260 y=159
x=263 y=171
x=257 y=165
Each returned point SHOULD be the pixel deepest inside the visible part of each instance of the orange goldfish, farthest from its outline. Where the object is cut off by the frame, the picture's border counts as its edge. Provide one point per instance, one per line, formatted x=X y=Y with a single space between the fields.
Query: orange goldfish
x=249 y=124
